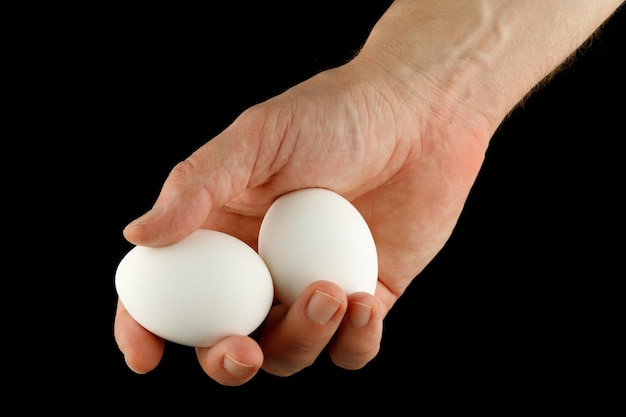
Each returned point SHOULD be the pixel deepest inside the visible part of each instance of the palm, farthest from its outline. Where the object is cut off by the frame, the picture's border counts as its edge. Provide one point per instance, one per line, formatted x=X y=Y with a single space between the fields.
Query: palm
x=407 y=180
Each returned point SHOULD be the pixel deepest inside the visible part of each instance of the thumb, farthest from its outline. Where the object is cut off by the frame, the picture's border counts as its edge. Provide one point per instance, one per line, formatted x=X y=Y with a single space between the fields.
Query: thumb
x=206 y=180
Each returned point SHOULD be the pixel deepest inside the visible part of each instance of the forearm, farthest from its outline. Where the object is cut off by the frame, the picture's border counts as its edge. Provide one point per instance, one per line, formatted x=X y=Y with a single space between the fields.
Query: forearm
x=485 y=54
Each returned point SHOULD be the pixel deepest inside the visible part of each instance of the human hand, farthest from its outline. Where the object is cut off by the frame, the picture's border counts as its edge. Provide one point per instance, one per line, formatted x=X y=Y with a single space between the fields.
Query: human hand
x=353 y=130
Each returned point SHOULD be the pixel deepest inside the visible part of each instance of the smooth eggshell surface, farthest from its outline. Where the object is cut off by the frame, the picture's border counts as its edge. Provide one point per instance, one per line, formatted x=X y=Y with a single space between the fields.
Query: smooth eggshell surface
x=316 y=234
x=197 y=291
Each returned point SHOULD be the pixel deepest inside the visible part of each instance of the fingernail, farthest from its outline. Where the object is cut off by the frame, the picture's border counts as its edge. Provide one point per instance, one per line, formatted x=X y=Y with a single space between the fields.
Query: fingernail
x=148 y=217
x=322 y=307
x=234 y=367
x=359 y=314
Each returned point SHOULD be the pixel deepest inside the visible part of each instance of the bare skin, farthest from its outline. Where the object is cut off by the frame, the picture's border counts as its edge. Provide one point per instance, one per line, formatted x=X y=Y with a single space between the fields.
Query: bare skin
x=401 y=131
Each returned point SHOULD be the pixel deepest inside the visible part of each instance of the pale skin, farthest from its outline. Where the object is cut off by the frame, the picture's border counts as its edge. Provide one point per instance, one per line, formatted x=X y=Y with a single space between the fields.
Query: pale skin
x=401 y=131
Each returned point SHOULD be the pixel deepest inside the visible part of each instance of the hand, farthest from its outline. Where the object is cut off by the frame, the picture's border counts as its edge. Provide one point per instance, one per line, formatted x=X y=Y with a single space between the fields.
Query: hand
x=354 y=130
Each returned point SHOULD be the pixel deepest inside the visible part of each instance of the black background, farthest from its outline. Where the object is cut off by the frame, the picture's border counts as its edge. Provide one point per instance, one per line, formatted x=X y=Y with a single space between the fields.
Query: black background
x=517 y=305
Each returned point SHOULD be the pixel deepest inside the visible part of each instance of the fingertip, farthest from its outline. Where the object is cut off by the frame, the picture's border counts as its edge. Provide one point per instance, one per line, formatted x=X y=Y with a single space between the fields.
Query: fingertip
x=142 y=350
x=232 y=361
x=236 y=367
x=161 y=226
x=322 y=302
x=359 y=314
x=362 y=310
x=144 y=354
x=148 y=217
x=328 y=288
x=358 y=340
x=132 y=367
x=139 y=230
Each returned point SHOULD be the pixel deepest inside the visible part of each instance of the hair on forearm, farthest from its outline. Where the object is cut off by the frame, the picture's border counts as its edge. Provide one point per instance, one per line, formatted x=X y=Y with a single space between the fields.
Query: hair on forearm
x=567 y=63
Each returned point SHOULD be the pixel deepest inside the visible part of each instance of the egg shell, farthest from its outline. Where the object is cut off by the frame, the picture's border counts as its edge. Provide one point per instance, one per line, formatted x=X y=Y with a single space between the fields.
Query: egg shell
x=197 y=291
x=316 y=234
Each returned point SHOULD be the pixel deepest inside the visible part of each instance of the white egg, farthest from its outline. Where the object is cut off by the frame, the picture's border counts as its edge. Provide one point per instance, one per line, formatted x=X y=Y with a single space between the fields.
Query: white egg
x=316 y=234
x=197 y=291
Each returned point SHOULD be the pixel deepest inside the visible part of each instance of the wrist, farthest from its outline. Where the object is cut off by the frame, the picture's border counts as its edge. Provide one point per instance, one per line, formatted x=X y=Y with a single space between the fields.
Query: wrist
x=475 y=60
x=440 y=59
